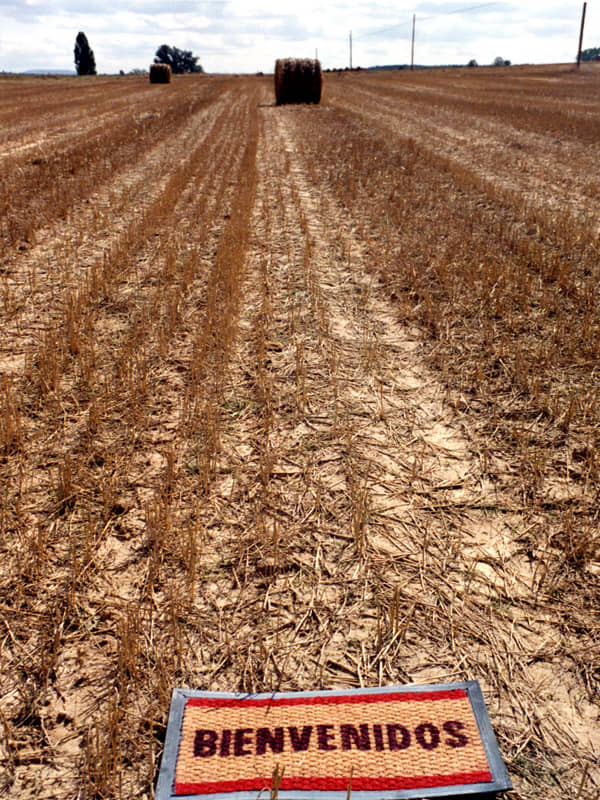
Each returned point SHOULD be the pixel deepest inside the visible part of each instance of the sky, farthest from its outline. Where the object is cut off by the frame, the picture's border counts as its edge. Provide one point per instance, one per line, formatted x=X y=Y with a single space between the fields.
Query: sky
x=239 y=36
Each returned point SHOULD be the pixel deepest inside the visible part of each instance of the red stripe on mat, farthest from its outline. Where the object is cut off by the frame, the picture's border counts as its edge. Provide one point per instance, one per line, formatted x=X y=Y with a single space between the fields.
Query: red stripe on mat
x=336 y=784
x=392 y=697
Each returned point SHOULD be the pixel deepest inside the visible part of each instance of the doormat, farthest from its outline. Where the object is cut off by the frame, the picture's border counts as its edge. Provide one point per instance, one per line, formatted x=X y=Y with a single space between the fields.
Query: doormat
x=401 y=741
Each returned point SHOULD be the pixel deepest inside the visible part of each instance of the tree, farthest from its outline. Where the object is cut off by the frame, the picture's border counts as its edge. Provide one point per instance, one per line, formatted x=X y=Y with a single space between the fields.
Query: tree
x=472 y=63
x=591 y=54
x=500 y=62
x=85 y=62
x=180 y=61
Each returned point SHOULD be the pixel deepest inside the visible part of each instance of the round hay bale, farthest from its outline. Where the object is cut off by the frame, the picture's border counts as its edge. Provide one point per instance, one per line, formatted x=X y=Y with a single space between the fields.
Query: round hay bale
x=298 y=80
x=160 y=73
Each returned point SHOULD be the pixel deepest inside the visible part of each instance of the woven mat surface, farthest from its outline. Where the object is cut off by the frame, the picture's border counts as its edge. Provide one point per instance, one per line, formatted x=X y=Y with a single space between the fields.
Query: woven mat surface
x=390 y=741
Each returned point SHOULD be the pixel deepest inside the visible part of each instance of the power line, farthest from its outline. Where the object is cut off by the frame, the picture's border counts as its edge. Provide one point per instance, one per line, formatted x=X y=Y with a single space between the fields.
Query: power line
x=460 y=10
x=431 y=16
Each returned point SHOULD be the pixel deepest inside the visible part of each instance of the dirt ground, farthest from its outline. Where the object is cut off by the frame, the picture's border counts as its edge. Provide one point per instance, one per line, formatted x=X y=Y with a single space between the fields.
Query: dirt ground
x=234 y=456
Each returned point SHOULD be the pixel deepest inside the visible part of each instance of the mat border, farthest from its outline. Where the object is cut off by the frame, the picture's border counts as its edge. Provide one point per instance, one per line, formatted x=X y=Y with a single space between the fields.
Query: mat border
x=500 y=779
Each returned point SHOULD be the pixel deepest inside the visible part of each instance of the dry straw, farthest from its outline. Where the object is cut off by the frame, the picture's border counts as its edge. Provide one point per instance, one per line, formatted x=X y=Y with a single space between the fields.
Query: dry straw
x=298 y=80
x=160 y=73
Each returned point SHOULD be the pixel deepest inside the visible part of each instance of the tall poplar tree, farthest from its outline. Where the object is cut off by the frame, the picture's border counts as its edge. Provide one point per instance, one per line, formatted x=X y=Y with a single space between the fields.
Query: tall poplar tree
x=85 y=62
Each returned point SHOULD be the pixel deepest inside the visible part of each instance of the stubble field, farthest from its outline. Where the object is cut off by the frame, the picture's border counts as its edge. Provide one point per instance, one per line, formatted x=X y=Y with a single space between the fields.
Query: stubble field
x=297 y=398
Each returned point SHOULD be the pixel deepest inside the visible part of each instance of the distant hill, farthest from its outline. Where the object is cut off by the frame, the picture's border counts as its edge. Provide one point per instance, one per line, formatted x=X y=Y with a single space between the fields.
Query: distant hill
x=48 y=72
x=416 y=66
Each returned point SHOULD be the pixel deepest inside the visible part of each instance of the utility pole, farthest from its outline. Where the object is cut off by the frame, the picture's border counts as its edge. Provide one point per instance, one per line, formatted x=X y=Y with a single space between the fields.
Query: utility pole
x=412 y=45
x=350 y=49
x=581 y=36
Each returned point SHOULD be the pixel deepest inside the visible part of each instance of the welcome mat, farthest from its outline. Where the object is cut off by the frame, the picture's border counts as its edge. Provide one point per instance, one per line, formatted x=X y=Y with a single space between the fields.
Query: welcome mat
x=392 y=742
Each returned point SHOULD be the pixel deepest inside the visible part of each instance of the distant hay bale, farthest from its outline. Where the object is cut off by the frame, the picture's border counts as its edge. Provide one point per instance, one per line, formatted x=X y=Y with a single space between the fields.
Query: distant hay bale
x=298 y=80
x=160 y=73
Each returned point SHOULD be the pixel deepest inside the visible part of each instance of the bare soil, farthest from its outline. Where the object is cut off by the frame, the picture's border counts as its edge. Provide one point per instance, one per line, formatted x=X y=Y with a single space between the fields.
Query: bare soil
x=241 y=450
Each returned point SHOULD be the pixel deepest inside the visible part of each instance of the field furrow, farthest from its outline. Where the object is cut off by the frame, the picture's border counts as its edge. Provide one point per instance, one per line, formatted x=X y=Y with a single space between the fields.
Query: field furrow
x=38 y=190
x=297 y=397
x=71 y=256
x=542 y=169
x=133 y=352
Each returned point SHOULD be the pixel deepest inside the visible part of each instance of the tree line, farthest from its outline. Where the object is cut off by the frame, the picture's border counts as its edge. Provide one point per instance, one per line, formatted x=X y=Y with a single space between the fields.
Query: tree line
x=180 y=61
x=591 y=54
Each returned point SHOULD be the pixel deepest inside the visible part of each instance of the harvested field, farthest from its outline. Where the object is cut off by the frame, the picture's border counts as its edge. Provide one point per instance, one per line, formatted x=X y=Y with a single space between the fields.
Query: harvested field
x=297 y=397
